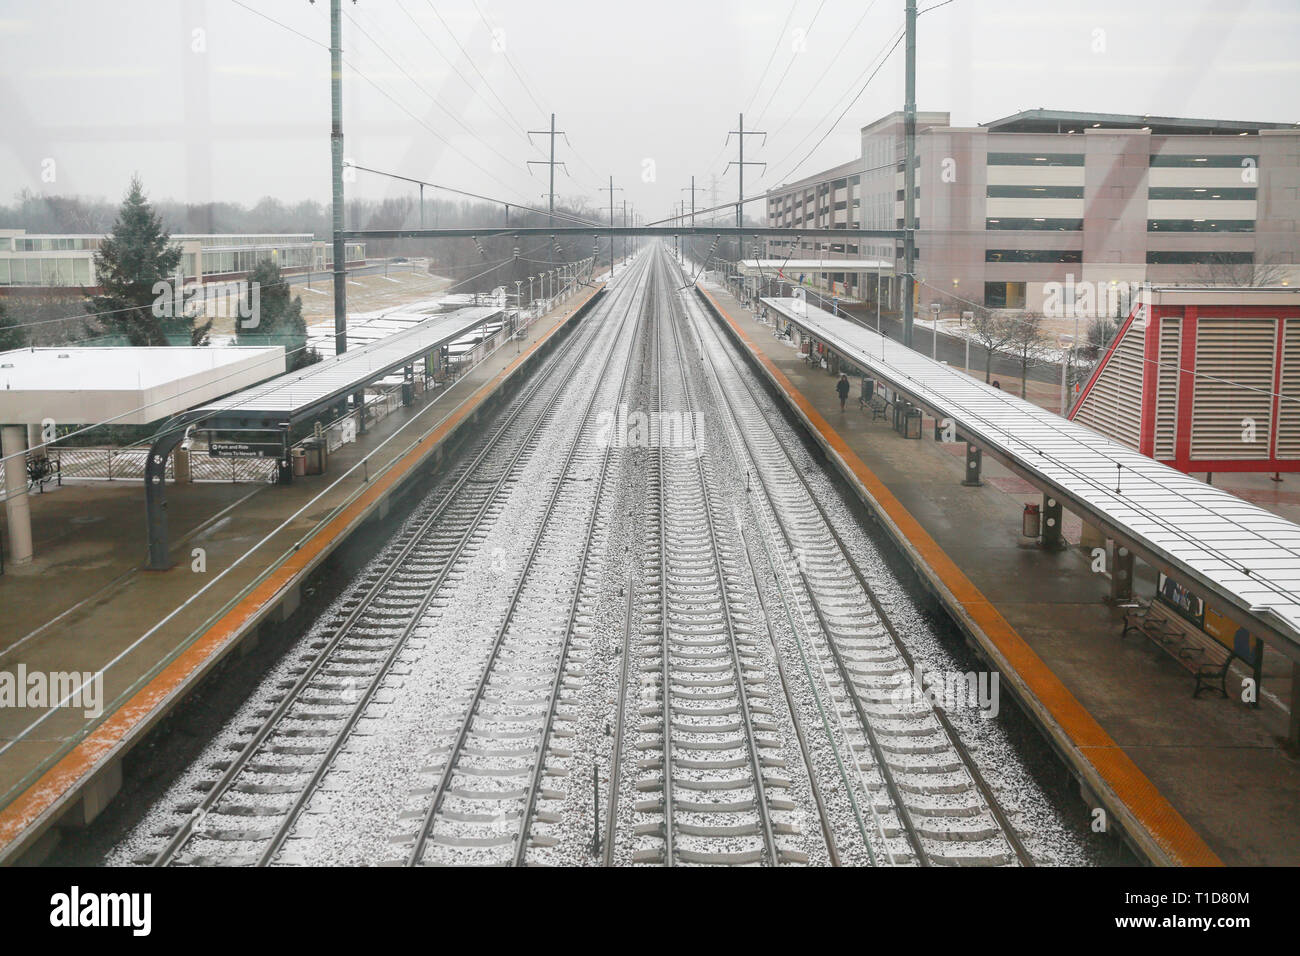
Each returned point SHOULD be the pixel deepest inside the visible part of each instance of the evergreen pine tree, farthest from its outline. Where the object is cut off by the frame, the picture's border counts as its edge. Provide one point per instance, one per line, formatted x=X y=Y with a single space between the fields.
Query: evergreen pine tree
x=12 y=334
x=137 y=254
x=280 y=320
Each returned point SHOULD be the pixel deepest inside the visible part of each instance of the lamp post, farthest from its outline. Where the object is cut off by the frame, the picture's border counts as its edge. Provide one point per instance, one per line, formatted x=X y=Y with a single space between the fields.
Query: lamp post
x=530 y=290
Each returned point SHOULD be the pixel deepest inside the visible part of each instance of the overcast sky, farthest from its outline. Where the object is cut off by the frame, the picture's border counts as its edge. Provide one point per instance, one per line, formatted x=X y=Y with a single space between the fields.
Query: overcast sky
x=209 y=101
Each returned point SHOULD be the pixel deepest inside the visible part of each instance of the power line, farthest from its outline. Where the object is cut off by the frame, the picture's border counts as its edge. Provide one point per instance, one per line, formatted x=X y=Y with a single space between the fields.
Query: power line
x=786 y=71
x=771 y=56
x=510 y=60
x=873 y=72
x=472 y=63
x=509 y=122
x=829 y=65
x=416 y=83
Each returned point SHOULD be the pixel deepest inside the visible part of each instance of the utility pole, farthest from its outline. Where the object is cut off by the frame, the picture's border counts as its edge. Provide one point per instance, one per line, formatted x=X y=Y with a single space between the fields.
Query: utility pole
x=552 y=133
x=692 y=191
x=551 y=164
x=625 y=226
x=336 y=172
x=741 y=133
x=612 y=187
x=909 y=174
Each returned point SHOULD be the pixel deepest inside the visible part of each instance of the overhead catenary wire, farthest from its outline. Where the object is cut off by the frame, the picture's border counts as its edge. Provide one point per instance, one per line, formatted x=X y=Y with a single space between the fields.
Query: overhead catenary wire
x=492 y=199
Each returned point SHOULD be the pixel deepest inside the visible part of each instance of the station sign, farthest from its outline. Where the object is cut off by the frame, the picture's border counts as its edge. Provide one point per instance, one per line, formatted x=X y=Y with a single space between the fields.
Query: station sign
x=245 y=449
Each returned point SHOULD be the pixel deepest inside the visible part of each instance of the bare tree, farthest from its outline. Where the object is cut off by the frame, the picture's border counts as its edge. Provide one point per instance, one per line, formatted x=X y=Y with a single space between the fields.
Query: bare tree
x=994 y=331
x=1221 y=270
x=1028 y=343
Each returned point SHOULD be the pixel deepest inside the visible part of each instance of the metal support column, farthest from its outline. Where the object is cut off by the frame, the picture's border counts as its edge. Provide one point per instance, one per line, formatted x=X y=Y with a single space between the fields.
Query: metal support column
x=1121 y=573
x=408 y=386
x=974 y=461
x=1053 y=539
x=13 y=445
x=1293 y=730
x=155 y=498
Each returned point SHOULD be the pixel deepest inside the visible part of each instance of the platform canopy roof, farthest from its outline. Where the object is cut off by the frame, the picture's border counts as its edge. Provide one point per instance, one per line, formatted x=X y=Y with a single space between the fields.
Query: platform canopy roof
x=790 y=268
x=128 y=385
x=298 y=395
x=1243 y=557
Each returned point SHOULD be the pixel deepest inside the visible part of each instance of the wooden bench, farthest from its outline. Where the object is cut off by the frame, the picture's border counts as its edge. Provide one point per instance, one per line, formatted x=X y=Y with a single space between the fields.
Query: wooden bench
x=1196 y=651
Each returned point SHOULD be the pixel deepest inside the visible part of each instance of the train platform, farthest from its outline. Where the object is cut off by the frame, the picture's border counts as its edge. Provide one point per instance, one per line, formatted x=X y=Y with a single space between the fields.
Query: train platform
x=1193 y=781
x=88 y=606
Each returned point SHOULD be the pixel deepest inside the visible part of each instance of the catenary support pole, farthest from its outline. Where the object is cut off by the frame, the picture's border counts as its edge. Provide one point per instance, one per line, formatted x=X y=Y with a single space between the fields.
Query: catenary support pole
x=336 y=171
x=909 y=175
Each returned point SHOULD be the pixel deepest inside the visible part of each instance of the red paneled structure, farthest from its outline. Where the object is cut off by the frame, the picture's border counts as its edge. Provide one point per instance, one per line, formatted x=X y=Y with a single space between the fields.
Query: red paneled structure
x=1203 y=380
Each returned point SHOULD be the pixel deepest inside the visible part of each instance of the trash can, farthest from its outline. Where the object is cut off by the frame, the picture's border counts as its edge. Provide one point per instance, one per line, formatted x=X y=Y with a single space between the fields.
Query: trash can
x=912 y=424
x=315 y=456
x=299 y=456
x=1030 y=525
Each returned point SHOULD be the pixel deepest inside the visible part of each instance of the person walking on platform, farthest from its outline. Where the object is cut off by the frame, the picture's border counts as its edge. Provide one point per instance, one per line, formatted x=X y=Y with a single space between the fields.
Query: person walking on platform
x=842 y=389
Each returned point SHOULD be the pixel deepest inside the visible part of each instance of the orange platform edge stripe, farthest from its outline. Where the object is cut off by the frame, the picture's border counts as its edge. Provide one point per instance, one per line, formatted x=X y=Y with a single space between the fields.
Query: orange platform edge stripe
x=1148 y=806
x=28 y=806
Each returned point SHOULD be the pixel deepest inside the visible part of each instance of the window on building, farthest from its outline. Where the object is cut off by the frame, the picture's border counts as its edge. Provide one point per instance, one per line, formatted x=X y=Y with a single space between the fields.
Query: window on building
x=1201 y=192
x=1035 y=192
x=1203 y=161
x=1004 y=295
x=1036 y=223
x=1158 y=257
x=1033 y=255
x=1035 y=159
x=1200 y=225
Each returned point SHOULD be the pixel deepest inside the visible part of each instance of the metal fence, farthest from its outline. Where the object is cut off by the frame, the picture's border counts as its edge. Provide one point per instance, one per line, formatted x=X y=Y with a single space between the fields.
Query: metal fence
x=127 y=464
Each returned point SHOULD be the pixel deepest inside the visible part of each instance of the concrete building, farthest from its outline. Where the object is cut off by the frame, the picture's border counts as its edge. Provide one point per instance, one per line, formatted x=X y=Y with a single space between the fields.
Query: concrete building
x=1011 y=211
x=66 y=262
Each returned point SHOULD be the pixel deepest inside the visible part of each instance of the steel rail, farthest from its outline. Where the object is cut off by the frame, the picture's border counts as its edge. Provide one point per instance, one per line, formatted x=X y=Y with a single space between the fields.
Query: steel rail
x=616 y=754
x=828 y=835
x=977 y=777
x=725 y=598
x=886 y=773
x=415 y=856
x=272 y=721
x=589 y=533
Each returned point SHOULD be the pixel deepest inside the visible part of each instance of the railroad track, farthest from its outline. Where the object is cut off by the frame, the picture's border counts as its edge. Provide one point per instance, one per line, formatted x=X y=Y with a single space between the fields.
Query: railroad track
x=490 y=774
x=711 y=750
x=250 y=810
x=698 y=769
x=940 y=809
